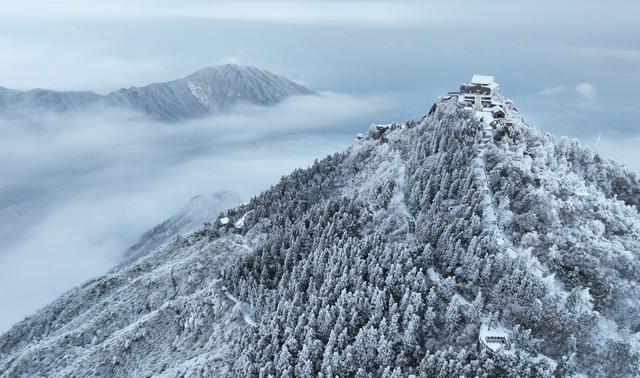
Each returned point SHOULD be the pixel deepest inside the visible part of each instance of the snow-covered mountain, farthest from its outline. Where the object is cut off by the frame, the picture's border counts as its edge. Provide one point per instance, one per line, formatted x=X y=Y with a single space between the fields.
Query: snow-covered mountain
x=12 y=100
x=199 y=210
x=210 y=90
x=453 y=246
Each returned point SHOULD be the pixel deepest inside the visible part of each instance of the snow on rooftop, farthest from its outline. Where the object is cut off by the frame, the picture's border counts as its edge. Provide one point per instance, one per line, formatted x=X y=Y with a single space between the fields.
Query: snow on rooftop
x=496 y=331
x=482 y=79
x=240 y=222
x=493 y=338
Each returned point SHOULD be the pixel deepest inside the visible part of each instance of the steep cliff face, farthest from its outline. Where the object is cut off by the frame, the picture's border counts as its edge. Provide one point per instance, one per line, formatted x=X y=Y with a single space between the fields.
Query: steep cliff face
x=208 y=91
x=398 y=256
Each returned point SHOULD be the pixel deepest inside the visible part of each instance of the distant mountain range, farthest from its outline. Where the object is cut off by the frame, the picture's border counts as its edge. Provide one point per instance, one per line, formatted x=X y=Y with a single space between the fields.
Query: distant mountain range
x=207 y=91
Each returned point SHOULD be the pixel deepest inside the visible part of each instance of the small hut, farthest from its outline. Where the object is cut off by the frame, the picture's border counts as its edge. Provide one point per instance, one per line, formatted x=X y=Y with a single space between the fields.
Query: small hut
x=497 y=111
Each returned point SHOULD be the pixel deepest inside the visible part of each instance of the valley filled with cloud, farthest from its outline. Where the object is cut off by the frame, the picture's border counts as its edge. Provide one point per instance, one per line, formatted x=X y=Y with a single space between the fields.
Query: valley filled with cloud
x=79 y=188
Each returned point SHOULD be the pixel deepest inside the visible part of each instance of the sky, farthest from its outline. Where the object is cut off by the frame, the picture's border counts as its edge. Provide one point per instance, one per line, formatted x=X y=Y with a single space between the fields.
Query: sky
x=86 y=186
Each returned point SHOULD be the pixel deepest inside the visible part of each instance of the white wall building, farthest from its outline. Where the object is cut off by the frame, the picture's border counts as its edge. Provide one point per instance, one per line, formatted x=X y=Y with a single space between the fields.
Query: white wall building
x=479 y=91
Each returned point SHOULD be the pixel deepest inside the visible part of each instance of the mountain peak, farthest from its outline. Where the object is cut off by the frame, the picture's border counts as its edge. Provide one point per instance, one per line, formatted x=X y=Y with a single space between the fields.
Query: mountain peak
x=206 y=91
x=465 y=244
x=227 y=67
x=231 y=71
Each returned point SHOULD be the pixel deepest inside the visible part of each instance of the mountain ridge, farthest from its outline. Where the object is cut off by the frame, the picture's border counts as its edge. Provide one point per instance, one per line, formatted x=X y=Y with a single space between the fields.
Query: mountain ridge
x=199 y=210
x=207 y=91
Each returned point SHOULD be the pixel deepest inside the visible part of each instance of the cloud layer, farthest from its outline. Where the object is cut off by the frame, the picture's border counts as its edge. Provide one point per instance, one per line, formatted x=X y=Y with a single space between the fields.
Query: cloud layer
x=77 y=190
x=287 y=12
x=30 y=64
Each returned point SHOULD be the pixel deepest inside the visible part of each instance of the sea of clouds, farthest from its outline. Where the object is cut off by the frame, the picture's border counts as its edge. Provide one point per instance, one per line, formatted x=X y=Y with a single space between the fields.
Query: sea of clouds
x=78 y=189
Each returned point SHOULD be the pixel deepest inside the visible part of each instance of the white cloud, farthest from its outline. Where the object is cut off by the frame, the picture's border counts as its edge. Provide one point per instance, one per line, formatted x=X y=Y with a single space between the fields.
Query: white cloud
x=584 y=90
x=587 y=91
x=81 y=188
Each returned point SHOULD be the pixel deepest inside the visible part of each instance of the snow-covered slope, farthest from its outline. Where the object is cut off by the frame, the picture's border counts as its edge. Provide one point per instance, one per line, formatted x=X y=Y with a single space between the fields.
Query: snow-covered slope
x=438 y=248
x=210 y=90
x=198 y=211
x=207 y=91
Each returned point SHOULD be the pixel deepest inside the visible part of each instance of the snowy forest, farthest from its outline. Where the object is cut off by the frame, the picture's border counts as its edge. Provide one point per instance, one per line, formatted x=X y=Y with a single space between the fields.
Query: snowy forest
x=384 y=260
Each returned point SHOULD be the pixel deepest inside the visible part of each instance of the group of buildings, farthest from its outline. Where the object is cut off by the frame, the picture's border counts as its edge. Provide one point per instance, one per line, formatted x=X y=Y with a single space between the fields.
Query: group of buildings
x=480 y=95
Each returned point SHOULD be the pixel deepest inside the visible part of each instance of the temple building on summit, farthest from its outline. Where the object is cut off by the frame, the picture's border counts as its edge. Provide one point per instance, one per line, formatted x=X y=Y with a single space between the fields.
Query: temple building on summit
x=479 y=92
